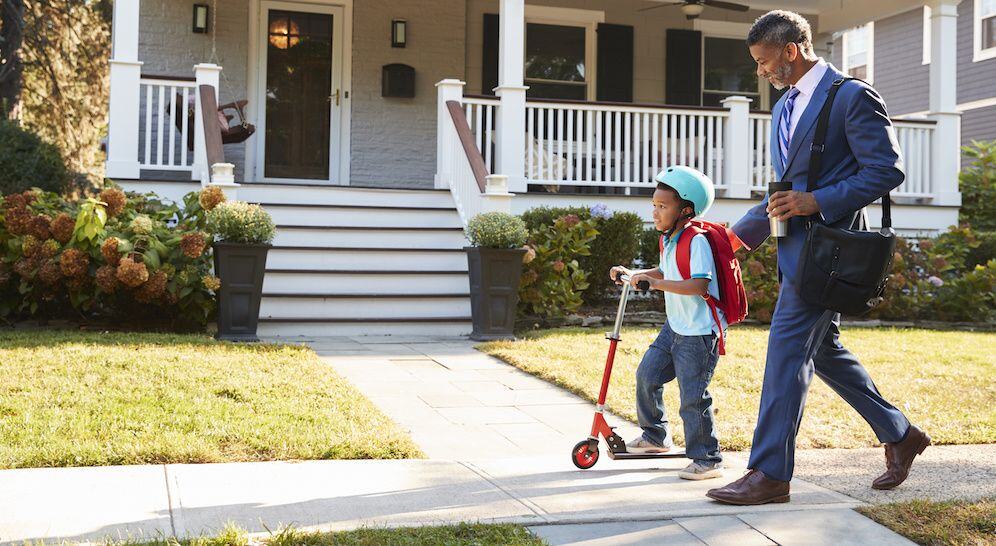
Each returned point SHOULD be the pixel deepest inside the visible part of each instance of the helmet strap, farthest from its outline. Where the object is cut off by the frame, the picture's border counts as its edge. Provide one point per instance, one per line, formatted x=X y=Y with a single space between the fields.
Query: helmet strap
x=683 y=220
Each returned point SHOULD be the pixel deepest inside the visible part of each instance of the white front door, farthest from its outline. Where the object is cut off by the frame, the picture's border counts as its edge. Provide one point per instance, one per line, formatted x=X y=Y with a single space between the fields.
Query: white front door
x=299 y=88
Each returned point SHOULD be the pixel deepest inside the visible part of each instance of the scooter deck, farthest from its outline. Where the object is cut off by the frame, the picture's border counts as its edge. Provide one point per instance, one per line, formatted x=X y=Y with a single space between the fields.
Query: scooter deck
x=628 y=455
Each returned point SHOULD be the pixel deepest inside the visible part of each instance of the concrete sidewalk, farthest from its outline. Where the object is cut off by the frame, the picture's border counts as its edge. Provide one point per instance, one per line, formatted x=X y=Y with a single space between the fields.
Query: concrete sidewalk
x=645 y=501
x=498 y=442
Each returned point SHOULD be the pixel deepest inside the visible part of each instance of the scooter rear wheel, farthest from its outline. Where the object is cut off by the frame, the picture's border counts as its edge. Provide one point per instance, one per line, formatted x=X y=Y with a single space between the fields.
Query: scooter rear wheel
x=583 y=457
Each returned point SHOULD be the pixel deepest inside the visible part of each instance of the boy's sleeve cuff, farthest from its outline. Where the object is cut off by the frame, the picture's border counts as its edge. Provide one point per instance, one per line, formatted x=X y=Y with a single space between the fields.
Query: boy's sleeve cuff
x=702 y=276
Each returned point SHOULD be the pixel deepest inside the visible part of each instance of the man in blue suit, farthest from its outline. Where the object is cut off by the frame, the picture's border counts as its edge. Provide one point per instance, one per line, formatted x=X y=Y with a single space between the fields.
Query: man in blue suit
x=861 y=163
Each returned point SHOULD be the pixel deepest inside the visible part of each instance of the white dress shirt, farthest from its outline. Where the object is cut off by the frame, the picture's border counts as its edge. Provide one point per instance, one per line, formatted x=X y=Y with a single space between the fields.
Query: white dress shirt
x=806 y=86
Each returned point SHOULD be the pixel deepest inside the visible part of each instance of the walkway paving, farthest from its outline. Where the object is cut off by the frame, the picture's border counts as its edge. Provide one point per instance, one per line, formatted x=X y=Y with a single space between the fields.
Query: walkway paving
x=498 y=442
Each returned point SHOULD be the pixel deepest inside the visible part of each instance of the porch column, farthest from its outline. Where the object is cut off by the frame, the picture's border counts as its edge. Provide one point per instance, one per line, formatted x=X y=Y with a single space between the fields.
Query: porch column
x=446 y=137
x=511 y=123
x=205 y=74
x=124 y=104
x=945 y=161
x=737 y=164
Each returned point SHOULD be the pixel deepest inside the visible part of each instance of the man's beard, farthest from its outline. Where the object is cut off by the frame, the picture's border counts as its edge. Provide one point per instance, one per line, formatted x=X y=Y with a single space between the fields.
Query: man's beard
x=779 y=79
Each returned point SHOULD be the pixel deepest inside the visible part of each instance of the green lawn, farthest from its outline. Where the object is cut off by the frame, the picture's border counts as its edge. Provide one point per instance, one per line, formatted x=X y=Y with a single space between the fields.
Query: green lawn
x=86 y=399
x=463 y=534
x=956 y=523
x=943 y=381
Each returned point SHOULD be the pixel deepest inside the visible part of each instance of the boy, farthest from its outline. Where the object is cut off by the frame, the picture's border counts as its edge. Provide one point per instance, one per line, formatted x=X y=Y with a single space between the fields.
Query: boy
x=687 y=349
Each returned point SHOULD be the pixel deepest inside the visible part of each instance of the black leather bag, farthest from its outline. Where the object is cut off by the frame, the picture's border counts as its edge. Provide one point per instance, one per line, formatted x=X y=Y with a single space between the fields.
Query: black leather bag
x=844 y=270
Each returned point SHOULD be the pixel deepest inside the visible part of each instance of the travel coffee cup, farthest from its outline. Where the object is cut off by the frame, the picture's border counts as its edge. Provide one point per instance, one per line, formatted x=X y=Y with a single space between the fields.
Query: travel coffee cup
x=779 y=228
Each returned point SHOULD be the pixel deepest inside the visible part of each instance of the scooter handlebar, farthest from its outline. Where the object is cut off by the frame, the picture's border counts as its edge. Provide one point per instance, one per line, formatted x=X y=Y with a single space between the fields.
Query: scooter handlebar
x=643 y=286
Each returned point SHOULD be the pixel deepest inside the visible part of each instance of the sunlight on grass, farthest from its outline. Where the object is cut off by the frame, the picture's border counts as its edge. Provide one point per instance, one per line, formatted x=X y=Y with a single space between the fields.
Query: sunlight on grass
x=943 y=381
x=86 y=399
x=952 y=522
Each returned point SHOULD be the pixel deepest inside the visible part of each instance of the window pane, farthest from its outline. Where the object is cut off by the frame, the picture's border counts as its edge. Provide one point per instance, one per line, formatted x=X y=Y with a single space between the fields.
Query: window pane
x=728 y=66
x=544 y=90
x=555 y=52
x=987 y=8
x=989 y=33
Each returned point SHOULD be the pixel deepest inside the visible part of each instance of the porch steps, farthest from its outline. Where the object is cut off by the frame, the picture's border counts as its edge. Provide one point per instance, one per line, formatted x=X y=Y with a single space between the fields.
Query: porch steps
x=362 y=261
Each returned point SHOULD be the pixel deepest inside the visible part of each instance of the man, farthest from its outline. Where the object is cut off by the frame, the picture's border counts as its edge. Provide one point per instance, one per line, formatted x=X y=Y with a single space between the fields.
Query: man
x=861 y=163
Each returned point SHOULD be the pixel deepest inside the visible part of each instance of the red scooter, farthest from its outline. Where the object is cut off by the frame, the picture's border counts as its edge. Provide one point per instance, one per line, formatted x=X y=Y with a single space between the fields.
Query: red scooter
x=585 y=453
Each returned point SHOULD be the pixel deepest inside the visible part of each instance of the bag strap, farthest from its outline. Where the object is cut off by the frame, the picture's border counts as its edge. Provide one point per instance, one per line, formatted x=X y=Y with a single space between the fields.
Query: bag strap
x=819 y=145
x=683 y=257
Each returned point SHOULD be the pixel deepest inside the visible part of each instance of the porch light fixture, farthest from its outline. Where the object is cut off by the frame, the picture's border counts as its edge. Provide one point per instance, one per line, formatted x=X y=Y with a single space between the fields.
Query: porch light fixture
x=201 y=14
x=399 y=33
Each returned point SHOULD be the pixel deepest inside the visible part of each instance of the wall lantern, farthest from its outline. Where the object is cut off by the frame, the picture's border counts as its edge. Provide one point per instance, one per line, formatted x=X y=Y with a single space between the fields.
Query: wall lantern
x=201 y=15
x=399 y=33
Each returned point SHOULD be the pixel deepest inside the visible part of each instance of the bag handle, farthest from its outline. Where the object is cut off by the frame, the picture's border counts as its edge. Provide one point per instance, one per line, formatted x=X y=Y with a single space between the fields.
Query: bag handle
x=819 y=145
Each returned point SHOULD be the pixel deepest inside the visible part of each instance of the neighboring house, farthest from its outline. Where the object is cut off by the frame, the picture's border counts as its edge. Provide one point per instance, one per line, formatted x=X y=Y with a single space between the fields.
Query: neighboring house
x=894 y=54
x=384 y=125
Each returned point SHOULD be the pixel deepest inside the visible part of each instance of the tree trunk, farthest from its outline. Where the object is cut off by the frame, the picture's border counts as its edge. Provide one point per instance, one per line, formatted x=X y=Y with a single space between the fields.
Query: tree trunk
x=11 y=68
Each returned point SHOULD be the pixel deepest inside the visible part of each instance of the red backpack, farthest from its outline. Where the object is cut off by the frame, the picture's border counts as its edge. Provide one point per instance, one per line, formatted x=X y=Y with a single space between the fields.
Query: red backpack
x=732 y=296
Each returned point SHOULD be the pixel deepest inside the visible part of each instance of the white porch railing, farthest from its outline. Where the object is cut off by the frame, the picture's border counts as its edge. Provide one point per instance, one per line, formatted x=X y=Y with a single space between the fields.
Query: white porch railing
x=164 y=107
x=584 y=144
x=481 y=116
x=915 y=140
x=759 y=147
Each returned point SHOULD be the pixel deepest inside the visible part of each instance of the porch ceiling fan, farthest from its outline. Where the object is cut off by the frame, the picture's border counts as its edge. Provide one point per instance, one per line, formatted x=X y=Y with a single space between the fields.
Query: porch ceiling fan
x=693 y=8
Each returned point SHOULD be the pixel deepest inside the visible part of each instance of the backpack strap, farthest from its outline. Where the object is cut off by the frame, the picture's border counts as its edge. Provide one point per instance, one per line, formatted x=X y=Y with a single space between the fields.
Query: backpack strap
x=683 y=257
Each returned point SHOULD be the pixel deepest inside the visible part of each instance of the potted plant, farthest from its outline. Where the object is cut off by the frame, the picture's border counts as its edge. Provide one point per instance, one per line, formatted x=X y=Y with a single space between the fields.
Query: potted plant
x=243 y=233
x=495 y=264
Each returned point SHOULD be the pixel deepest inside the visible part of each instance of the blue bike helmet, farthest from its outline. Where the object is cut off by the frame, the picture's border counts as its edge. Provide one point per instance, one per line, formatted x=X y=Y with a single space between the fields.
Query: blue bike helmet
x=691 y=185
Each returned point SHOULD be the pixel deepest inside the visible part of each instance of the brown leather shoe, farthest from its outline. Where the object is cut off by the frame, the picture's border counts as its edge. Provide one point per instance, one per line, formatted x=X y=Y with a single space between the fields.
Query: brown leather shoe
x=753 y=488
x=899 y=458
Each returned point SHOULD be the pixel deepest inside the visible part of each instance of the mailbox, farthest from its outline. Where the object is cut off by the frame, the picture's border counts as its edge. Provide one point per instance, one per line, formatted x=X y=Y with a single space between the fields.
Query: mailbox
x=397 y=80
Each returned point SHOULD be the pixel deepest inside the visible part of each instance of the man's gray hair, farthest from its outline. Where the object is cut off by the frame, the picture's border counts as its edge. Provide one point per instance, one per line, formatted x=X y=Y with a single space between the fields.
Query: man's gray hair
x=780 y=27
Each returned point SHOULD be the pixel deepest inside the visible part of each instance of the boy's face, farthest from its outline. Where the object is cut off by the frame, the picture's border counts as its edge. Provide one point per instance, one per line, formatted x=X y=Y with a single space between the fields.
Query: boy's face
x=667 y=209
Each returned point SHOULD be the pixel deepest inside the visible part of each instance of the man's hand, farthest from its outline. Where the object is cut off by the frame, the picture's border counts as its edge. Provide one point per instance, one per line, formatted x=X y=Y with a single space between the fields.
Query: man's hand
x=786 y=204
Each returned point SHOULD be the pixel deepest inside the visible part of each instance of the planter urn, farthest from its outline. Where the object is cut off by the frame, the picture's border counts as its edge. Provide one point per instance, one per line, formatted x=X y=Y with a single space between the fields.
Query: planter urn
x=240 y=268
x=494 y=290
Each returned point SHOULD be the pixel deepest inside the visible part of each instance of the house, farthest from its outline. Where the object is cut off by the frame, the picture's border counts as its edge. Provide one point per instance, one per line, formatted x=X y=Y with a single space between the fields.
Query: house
x=382 y=126
x=894 y=54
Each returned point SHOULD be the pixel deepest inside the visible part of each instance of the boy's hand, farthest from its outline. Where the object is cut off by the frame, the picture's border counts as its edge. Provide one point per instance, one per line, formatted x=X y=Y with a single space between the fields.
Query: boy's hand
x=634 y=280
x=616 y=271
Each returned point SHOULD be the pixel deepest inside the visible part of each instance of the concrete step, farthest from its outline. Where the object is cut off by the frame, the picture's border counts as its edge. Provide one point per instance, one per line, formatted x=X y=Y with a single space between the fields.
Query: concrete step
x=356 y=308
x=343 y=195
x=286 y=281
x=453 y=326
x=351 y=258
x=370 y=237
x=367 y=216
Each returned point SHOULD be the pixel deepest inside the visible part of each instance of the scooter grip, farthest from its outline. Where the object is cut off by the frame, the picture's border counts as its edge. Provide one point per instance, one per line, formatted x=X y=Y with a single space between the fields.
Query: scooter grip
x=643 y=286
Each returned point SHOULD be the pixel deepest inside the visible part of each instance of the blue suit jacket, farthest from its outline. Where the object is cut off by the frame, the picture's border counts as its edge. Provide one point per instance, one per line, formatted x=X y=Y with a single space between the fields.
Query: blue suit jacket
x=861 y=162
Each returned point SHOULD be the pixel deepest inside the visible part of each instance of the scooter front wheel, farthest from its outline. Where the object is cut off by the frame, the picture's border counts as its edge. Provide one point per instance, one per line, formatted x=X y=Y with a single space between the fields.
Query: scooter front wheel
x=583 y=457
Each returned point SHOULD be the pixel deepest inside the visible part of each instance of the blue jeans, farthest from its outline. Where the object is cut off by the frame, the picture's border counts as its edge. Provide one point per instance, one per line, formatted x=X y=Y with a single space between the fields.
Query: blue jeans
x=692 y=360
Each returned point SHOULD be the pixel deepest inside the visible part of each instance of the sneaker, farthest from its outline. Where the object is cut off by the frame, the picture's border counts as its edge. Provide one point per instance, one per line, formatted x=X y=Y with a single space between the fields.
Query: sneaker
x=642 y=445
x=701 y=470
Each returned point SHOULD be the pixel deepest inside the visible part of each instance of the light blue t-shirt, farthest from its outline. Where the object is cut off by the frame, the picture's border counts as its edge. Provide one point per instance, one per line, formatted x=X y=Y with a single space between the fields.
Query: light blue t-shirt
x=690 y=315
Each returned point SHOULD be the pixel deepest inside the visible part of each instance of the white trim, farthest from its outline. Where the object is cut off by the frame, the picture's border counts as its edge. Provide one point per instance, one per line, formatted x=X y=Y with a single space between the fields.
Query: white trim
x=963 y=107
x=870 y=53
x=979 y=54
x=926 y=35
x=342 y=12
x=721 y=29
x=587 y=19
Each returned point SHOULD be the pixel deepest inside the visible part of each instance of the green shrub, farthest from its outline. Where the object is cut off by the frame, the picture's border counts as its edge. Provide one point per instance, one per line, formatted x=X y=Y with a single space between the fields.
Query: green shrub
x=984 y=251
x=760 y=273
x=650 y=248
x=241 y=222
x=617 y=243
x=124 y=259
x=978 y=187
x=496 y=230
x=28 y=162
x=553 y=280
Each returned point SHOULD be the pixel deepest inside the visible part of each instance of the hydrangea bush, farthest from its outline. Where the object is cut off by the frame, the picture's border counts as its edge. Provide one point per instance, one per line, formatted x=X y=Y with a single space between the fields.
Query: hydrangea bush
x=114 y=258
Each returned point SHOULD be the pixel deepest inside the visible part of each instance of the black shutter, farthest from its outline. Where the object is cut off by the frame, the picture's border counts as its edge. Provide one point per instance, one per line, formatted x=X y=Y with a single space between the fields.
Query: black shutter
x=489 y=70
x=615 y=63
x=683 y=73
